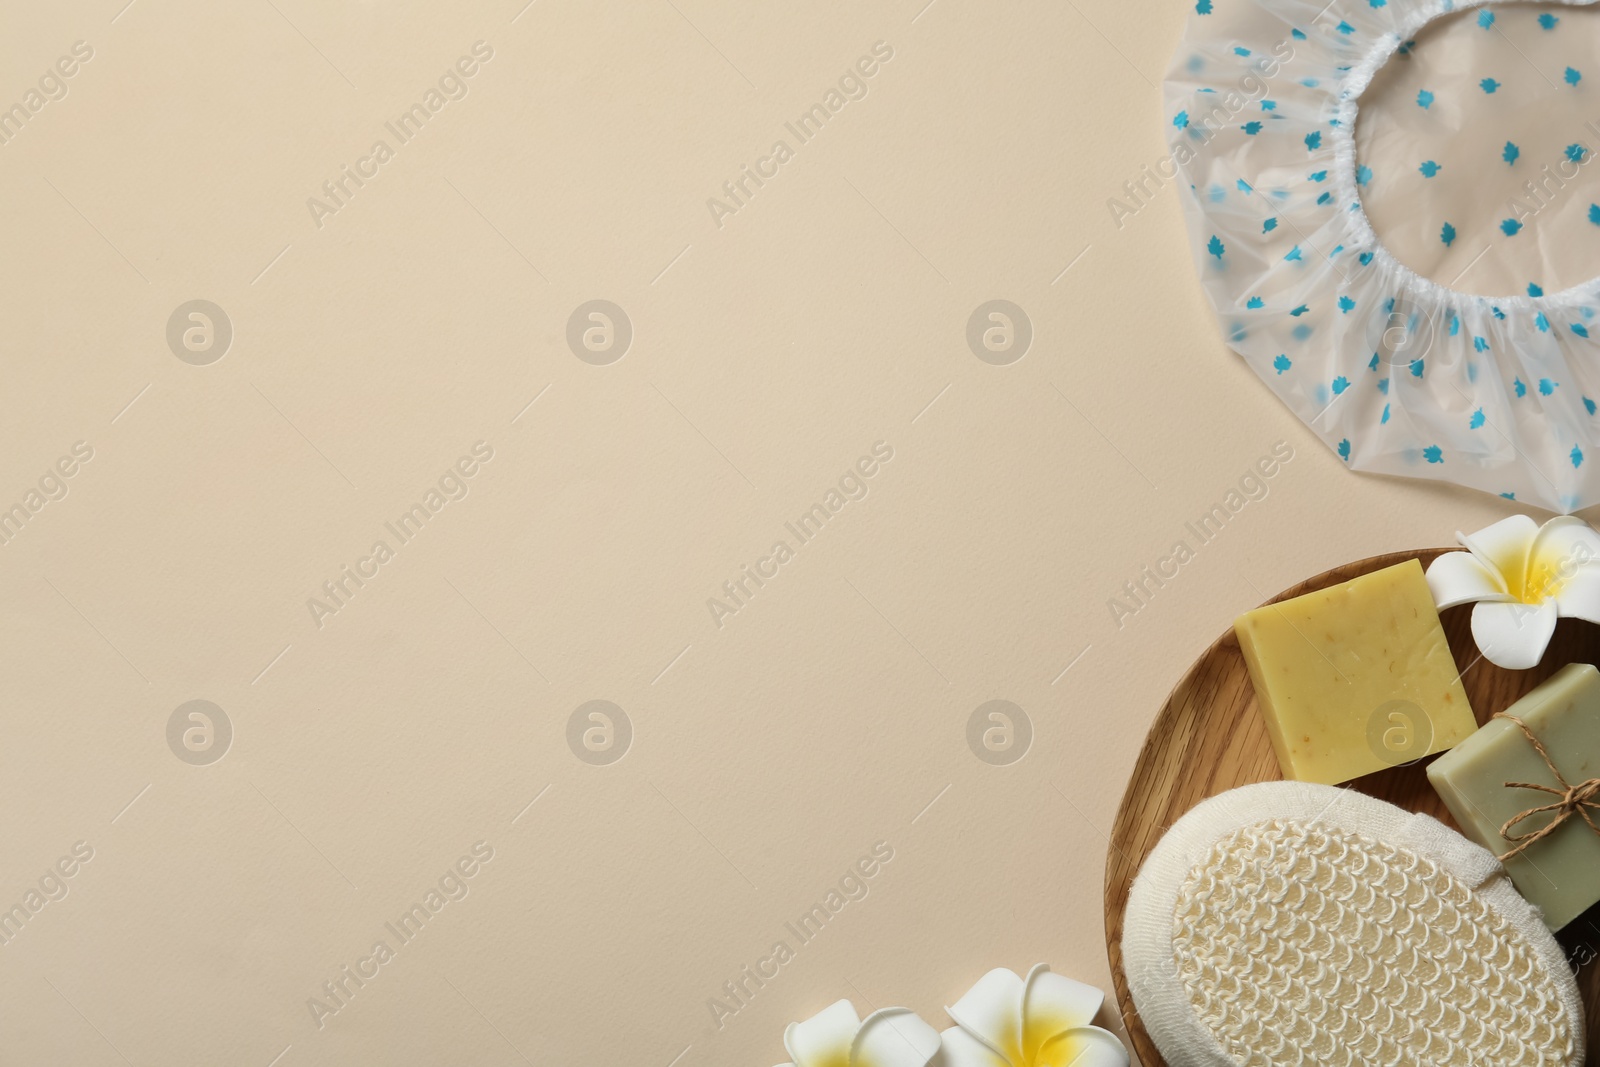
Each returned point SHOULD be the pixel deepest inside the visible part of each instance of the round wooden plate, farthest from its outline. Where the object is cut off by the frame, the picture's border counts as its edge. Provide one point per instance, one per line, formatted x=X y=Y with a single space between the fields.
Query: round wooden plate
x=1209 y=738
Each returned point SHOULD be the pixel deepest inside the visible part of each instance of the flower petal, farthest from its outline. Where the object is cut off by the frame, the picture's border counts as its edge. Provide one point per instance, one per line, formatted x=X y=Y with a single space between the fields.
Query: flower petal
x=894 y=1037
x=1564 y=544
x=1503 y=548
x=991 y=1011
x=961 y=1049
x=1084 y=1046
x=1579 y=597
x=1460 y=578
x=1053 y=1004
x=824 y=1039
x=1513 y=636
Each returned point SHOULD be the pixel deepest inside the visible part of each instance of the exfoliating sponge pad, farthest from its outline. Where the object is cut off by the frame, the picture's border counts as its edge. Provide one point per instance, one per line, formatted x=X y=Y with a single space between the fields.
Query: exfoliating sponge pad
x=1289 y=923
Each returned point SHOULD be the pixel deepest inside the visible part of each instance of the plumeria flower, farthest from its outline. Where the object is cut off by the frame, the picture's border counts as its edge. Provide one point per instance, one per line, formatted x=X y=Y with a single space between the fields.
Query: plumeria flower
x=837 y=1037
x=1522 y=577
x=1044 y=1020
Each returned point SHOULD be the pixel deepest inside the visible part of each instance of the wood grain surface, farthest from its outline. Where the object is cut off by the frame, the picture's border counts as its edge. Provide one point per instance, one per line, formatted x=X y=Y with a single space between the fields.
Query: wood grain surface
x=1209 y=738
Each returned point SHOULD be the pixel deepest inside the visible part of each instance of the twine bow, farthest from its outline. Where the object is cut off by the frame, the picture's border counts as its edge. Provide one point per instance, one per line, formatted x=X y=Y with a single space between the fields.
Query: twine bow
x=1575 y=799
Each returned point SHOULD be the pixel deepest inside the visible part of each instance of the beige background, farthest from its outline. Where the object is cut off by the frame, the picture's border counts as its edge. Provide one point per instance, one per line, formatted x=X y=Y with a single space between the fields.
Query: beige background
x=768 y=354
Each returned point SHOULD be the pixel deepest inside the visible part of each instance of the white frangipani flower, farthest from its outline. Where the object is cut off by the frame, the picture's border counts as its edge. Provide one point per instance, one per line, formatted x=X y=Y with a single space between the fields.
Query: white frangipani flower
x=1522 y=577
x=1044 y=1020
x=837 y=1037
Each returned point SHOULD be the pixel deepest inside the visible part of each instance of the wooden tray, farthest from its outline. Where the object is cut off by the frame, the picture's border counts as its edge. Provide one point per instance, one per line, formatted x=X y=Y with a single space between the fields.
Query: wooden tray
x=1209 y=738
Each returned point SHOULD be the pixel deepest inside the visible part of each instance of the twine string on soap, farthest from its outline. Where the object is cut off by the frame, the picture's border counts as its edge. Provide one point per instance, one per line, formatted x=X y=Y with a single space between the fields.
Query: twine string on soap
x=1575 y=799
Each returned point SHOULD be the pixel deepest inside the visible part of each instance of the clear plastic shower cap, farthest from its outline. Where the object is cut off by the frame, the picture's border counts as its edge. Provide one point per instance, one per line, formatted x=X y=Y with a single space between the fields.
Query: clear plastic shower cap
x=1474 y=157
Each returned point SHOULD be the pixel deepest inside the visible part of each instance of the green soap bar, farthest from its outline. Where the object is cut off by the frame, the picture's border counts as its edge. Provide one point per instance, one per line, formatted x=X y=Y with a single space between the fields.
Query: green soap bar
x=1560 y=874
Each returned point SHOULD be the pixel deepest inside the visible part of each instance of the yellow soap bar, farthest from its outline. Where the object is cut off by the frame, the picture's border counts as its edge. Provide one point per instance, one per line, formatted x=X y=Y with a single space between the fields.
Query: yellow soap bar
x=1356 y=677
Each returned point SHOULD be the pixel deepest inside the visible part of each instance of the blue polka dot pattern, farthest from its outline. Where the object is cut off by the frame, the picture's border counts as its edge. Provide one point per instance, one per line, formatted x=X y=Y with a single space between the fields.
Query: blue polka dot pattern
x=1397 y=373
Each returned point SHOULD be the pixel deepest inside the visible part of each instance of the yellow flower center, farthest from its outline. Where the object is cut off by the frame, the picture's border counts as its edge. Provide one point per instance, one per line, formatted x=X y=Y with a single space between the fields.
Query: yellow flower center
x=1547 y=574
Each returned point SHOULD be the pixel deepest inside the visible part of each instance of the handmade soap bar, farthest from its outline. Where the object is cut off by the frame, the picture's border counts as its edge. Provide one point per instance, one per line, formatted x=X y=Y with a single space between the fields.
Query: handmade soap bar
x=1561 y=872
x=1356 y=677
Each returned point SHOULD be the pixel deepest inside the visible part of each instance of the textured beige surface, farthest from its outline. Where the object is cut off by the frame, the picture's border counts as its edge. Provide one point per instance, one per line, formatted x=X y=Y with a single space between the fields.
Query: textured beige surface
x=769 y=755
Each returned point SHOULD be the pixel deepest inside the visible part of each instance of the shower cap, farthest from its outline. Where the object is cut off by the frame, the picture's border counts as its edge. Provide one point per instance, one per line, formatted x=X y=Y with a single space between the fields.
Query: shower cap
x=1398 y=373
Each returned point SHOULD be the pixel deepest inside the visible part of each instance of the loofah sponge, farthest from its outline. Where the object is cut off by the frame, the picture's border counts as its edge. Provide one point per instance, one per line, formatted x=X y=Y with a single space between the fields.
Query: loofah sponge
x=1296 y=924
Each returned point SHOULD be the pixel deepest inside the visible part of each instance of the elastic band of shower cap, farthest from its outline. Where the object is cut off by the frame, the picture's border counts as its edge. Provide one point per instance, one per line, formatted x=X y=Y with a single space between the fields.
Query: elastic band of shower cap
x=1395 y=372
